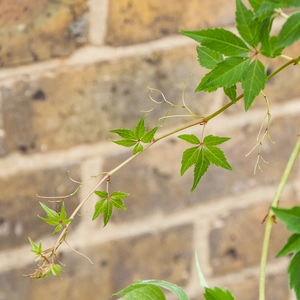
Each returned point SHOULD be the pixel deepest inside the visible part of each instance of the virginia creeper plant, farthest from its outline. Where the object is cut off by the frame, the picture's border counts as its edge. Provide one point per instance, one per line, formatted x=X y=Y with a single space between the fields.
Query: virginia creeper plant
x=232 y=61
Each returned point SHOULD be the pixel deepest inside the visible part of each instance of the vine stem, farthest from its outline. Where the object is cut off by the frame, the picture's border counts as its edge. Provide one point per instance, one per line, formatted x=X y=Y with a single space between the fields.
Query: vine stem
x=202 y=121
x=270 y=220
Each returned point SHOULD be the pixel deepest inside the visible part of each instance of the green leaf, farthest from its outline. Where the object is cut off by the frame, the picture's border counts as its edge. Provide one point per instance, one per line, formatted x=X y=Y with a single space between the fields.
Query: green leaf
x=268 y=43
x=292 y=245
x=63 y=214
x=118 y=195
x=189 y=158
x=217 y=294
x=141 y=292
x=216 y=156
x=290 y=31
x=149 y=136
x=101 y=194
x=268 y=7
x=220 y=40
x=140 y=128
x=107 y=212
x=225 y=74
x=253 y=82
x=212 y=140
x=246 y=25
x=118 y=203
x=138 y=290
x=201 y=167
x=290 y=217
x=126 y=134
x=37 y=249
x=126 y=143
x=99 y=208
x=52 y=222
x=255 y=4
x=202 y=280
x=208 y=58
x=137 y=148
x=56 y=270
x=178 y=291
x=230 y=92
x=52 y=214
x=190 y=138
x=294 y=274
x=58 y=228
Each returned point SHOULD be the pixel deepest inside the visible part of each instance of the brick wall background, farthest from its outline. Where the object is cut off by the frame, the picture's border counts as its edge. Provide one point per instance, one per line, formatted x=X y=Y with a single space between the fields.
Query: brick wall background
x=70 y=69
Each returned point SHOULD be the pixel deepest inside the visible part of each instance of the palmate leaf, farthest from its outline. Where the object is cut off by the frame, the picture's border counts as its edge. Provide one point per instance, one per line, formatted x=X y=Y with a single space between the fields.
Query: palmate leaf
x=139 y=290
x=220 y=40
x=140 y=128
x=137 y=148
x=148 y=136
x=126 y=134
x=290 y=217
x=294 y=274
x=246 y=24
x=290 y=31
x=212 y=140
x=268 y=7
x=107 y=203
x=189 y=158
x=201 y=167
x=255 y=4
x=208 y=58
x=216 y=156
x=202 y=155
x=190 y=138
x=230 y=92
x=225 y=74
x=269 y=45
x=254 y=82
x=217 y=294
x=125 y=143
x=142 y=291
x=292 y=245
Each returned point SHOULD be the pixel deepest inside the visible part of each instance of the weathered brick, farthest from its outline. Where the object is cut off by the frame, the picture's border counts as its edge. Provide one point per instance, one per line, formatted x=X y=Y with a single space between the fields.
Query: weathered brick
x=33 y=31
x=19 y=205
x=277 y=288
x=134 y=21
x=163 y=255
x=77 y=105
x=237 y=242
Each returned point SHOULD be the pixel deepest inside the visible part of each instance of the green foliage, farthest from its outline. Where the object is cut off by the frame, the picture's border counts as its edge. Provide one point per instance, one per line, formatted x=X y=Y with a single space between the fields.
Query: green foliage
x=107 y=203
x=217 y=294
x=254 y=82
x=294 y=274
x=254 y=27
x=219 y=40
x=226 y=74
x=202 y=155
x=246 y=24
x=291 y=218
x=290 y=31
x=59 y=220
x=150 y=289
x=135 y=137
x=37 y=249
x=208 y=58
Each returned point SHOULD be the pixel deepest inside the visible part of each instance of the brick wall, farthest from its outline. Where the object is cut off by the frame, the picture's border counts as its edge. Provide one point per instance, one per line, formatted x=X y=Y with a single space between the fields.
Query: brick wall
x=70 y=69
